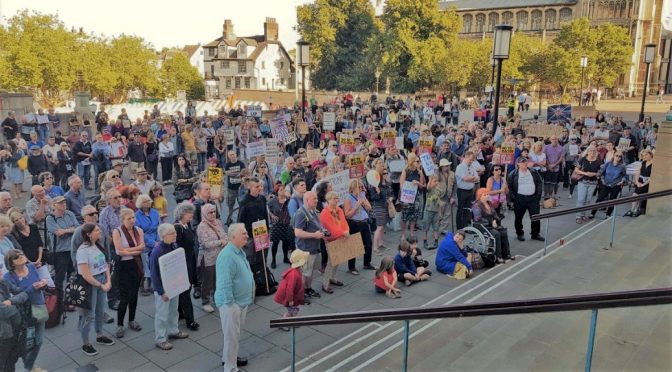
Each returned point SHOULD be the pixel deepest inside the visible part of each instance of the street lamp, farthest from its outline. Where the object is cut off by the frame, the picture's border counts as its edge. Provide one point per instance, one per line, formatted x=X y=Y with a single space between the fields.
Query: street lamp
x=377 y=74
x=649 y=56
x=584 y=63
x=303 y=49
x=500 y=51
x=493 y=63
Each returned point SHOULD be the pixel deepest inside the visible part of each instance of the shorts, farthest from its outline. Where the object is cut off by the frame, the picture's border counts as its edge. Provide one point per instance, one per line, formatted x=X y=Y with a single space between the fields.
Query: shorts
x=552 y=177
x=380 y=290
x=431 y=219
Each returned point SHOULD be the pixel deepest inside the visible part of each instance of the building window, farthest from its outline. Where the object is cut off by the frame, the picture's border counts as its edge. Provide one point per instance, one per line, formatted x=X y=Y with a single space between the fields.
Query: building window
x=242 y=67
x=550 y=20
x=507 y=18
x=242 y=51
x=466 y=23
x=228 y=83
x=212 y=69
x=263 y=65
x=282 y=81
x=536 y=19
x=224 y=64
x=493 y=19
x=247 y=82
x=282 y=65
x=480 y=22
x=565 y=15
x=237 y=83
x=211 y=52
x=521 y=20
x=263 y=81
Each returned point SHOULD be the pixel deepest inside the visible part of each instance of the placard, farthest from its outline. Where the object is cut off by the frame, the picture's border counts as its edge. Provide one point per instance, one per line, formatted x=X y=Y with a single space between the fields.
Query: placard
x=339 y=183
x=216 y=180
x=356 y=165
x=329 y=121
x=30 y=118
x=425 y=144
x=313 y=155
x=260 y=236
x=542 y=130
x=255 y=149
x=397 y=165
x=230 y=136
x=408 y=192
x=291 y=138
x=399 y=143
x=254 y=111
x=584 y=111
x=623 y=144
x=302 y=127
x=279 y=130
x=272 y=150
x=174 y=275
x=346 y=144
x=590 y=122
x=427 y=163
x=389 y=137
x=346 y=248
x=506 y=153
x=42 y=119
x=573 y=150
x=43 y=273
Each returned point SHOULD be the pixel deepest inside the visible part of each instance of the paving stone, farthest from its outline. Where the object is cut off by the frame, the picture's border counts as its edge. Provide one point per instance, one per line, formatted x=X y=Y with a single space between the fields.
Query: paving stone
x=80 y=358
x=253 y=346
x=203 y=361
x=182 y=349
x=125 y=359
x=51 y=358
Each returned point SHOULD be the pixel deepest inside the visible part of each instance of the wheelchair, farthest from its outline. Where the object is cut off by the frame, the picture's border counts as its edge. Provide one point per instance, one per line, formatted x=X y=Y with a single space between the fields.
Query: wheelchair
x=477 y=236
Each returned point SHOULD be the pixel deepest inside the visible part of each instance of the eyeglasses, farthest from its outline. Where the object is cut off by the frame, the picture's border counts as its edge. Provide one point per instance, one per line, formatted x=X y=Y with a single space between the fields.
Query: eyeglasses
x=497 y=170
x=92 y=214
x=618 y=156
x=48 y=178
x=115 y=176
x=115 y=197
x=19 y=255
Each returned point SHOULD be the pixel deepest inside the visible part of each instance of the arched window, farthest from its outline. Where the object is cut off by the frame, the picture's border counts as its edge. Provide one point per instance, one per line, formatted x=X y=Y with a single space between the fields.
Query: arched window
x=537 y=18
x=521 y=20
x=507 y=18
x=565 y=15
x=466 y=23
x=480 y=22
x=493 y=19
x=550 y=19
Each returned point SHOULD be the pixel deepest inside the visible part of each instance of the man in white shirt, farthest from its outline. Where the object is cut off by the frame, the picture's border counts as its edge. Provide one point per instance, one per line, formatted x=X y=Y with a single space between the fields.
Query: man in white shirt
x=466 y=177
x=525 y=187
x=141 y=181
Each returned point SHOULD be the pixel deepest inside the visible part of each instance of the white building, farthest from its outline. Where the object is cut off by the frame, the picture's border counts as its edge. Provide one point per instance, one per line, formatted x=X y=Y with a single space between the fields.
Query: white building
x=257 y=62
x=195 y=55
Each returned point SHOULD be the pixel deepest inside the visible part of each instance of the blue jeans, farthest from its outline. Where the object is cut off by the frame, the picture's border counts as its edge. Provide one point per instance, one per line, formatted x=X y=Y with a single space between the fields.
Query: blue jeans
x=29 y=357
x=43 y=132
x=165 y=318
x=202 y=160
x=584 y=191
x=84 y=172
x=95 y=315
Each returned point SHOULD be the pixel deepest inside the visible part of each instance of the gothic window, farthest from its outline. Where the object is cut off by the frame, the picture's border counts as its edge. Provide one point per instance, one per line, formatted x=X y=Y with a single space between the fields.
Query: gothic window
x=521 y=20
x=480 y=22
x=493 y=19
x=466 y=23
x=507 y=18
x=537 y=17
x=565 y=15
x=550 y=19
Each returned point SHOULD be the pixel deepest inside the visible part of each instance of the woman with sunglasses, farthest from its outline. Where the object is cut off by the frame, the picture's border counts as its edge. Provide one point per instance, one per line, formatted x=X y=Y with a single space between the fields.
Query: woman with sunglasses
x=28 y=238
x=497 y=188
x=613 y=176
x=46 y=179
x=261 y=172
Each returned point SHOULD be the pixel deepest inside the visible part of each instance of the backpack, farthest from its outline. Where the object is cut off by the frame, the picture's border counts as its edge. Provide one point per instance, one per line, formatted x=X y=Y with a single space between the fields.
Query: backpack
x=261 y=274
x=55 y=311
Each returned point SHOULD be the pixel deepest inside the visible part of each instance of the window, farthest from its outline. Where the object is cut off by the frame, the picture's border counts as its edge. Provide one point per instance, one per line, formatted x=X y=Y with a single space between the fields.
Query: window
x=247 y=82
x=263 y=81
x=507 y=18
x=228 y=83
x=480 y=22
x=242 y=51
x=237 y=83
x=521 y=20
x=242 y=67
x=282 y=81
x=466 y=23
x=212 y=69
x=565 y=15
x=263 y=65
x=493 y=19
x=550 y=19
x=211 y=52
x=224 y=64
x=536 y=19
x=282 y=65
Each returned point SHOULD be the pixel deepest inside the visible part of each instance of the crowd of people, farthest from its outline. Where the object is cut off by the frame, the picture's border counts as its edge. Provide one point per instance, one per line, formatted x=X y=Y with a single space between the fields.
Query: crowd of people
x=98 y=210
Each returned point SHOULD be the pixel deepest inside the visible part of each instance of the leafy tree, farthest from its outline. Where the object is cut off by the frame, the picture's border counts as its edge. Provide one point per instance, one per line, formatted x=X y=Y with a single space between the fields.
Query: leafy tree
x=614 y=51
x=178 y=74
x=135 y=63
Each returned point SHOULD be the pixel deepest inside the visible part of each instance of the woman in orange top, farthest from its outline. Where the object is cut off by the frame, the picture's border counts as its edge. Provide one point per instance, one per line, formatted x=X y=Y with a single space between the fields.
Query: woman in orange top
x=332 y=218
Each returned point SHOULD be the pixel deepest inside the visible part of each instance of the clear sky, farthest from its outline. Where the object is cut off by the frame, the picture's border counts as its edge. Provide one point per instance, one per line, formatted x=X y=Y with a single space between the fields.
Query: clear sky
x=168 y=23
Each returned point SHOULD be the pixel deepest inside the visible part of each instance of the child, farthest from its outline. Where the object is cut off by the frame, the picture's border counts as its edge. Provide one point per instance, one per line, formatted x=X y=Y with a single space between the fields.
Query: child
x=290 y=292
x=386 y=278
x=406 y=269
x=416 y=253
x=159 y=201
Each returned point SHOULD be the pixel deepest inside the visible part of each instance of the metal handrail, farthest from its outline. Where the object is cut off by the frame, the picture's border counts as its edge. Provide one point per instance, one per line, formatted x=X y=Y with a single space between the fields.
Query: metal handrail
x=643 y=297
x=604 y=204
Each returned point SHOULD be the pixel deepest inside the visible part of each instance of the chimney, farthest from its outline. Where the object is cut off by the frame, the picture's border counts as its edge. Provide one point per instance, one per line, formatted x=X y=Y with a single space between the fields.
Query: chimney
x=271 y=29
x=227 y=32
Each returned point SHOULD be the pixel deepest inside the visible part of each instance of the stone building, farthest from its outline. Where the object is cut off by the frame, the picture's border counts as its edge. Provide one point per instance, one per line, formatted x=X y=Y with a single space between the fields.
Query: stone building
x=543 y=18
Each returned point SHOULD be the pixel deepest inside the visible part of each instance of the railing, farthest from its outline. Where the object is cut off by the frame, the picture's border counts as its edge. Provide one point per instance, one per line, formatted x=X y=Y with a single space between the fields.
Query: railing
x=593 y=302
x=605 y=204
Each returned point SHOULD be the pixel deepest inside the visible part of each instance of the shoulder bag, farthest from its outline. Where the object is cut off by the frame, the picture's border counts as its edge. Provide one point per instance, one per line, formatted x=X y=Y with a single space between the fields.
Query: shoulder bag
x=78 y=292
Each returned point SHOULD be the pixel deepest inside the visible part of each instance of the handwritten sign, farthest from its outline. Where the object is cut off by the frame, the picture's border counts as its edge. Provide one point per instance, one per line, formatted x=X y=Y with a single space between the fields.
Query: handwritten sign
x=347 y=144
x=291 y=138
x=506 y=153
x=303 y=127
x=229 y=134
x=260 y=235
x=543 y=130
x=389 y=137
x=215 y=180
x=356 y=165
x=346 y=248
x=590 y=122
x=329 y=121
x=623 y=144
x=408 y=192
x=399 y=143
x=584 y=111
x=255 y=149
x=174 y=275
x=425 y=144
x=427 y=163
x=279 y=130
x=397 y=165
x=339 y=183
x=42 y=119
x=254 y=111
x=313 y=155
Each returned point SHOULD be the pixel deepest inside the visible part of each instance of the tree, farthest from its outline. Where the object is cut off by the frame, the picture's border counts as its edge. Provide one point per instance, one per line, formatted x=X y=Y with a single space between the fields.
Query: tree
x=135 y=63
x=178 y=74
x=614 y=51
x=339 y=33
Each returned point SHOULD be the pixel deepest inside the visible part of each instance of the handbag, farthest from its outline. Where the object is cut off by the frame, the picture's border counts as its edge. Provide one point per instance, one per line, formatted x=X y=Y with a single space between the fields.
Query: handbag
x=22 y=163
x=576 y=177
x=477 y=261
x=78 y=292
x=391 y=210
x=40 y=313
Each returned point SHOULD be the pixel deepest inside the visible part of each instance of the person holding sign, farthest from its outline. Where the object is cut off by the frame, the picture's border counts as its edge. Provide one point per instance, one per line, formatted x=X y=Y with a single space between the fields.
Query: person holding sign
x=358 y=212
x=308 y=233
x=211 y=239
x=410 y=212
x=381 y=195
x=333 y=219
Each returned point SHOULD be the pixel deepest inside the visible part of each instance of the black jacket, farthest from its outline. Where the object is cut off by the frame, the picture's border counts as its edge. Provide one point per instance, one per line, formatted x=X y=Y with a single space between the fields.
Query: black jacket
x=252 y=209
x=37 y=164
x=512 y=181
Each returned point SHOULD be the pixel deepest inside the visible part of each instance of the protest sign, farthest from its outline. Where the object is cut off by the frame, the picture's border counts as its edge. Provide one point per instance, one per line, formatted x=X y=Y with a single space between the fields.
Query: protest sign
x=329 y=121
x=584 y=111
x=254 y=111
x=590 y=122
x=543 y=130
x=623 y=144
x=255 y=149
x=216 y=181
x=302 y=127
x=42 y=119
x=506 y=153
x=389 y=137
x=260 y=235
x=397 y=166
x=339 y=183
x=174 y=275
x=279 y=130
x=399 y=143
x=346 y=248
x=425 y=144
x=427 y=163
x=356 y=165
x=573 y=150
x=347 y=144
x=291 y=138
x=409 y=190
x=313 y=155
x=562 y=113
x=229 y=134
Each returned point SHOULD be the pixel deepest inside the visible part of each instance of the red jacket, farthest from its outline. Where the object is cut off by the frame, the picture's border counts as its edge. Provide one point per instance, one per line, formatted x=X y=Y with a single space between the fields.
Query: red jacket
x=291 y=288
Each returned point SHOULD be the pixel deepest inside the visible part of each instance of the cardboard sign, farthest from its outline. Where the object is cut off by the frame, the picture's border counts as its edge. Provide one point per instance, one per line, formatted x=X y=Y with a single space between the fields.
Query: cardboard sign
x=303 y=127
x=262 y=239
x=584 y=111
x=399 y=143
x=543 y=130
x=255 y=149
x=346 y=248
x=42 y=119
x=272 y=150
x=427 y=163
x=425 y=144
x=356 y=165
x=313 y=155
x=230 y=136
x=291 y=138
x=408 y=192
x=174 y=275
x=216 y=181
x=389 y=137
x=573 y=150
x=506 y=153
x=254 y=111
x=623 y=144
x=329 y=121
x=279 y=130
x=339 y=183
x=346 y=144
x=590 y=122
x=397 y=166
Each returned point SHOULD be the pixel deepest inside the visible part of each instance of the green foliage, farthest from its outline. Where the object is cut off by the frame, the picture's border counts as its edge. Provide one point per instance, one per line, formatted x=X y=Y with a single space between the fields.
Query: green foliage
x=178 y=74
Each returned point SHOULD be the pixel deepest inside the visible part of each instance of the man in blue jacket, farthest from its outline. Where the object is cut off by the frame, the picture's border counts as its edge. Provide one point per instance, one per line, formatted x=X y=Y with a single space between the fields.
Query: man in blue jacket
x=452 y=259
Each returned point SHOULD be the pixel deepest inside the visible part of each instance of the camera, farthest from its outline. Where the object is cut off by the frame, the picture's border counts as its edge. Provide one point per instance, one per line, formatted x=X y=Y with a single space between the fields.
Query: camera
x=326 y=232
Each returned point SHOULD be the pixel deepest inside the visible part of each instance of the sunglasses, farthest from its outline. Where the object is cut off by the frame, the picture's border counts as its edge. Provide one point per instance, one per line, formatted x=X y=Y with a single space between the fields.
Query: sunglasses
x=115 y=176
x=92 y=214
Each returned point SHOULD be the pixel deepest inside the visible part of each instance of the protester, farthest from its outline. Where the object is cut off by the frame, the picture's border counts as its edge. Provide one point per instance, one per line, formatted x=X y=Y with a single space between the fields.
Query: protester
x=525 y=188
x=333 y=220
x=290 y=293
x=212 y=239
x=61 y=225
x=381 y=197
x=186 y=239
x=308 y=232
x=589 y=169
x=410 y=212
x=356 y=208
x=253 y=208
x=385 y=280
x=11 y=324
x=642 y=178
x=452 y=259
x=612 y=175
x=281 y=231
x=148 y=220
x=406 y=269
x=28 y=238
x=466 y=177
x=487 y=216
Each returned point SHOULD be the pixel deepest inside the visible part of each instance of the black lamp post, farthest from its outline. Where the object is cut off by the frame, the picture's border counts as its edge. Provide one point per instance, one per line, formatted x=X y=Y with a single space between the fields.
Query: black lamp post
x=584 y=63
x=500 y=51
x=303 y=56
x=493 y=63
x=649 y=57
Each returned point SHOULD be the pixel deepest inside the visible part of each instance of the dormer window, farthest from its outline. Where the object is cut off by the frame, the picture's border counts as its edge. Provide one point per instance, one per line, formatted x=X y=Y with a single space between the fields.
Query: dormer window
x=242 y=50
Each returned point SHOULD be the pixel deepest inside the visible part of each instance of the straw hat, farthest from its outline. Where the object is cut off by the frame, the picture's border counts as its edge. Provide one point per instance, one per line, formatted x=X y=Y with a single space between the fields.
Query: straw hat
x=298 y=258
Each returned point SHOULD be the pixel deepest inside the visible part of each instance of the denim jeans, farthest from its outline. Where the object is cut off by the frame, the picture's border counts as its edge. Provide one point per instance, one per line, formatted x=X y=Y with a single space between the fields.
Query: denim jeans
x=584 y=194
x=84 y=172
x=202 y=160
x=30 y=356
x=95 y=315
x=165 y=318
x=42 y=132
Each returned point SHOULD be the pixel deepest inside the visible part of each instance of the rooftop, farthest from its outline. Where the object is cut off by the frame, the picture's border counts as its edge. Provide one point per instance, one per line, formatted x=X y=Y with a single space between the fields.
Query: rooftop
x=501 y=4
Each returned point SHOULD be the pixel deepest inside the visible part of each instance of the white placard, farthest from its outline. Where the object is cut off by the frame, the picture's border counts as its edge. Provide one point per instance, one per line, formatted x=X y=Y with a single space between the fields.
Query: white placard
x=254 y=111
x=255 y=149
x=174 y=275
x=329 y=121
x=408 y=192
x=30 y=118
x=427 y=163
x=42 y=119
x=279 y=130
x=43 y=273
x=589 y=122
x=623 y=144
x=339 y=183
x=573 y=150
x=288 y=117
x=229 y=134
x=399 y=143
x=397 y=166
